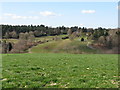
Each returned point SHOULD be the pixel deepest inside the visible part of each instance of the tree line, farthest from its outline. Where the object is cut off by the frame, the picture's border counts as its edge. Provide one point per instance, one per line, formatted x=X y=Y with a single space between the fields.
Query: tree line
x=26 y=36
x=13 y=31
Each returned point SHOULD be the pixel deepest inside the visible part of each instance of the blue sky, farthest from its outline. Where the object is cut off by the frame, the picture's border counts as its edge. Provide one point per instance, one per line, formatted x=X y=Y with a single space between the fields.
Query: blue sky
x=83 y=14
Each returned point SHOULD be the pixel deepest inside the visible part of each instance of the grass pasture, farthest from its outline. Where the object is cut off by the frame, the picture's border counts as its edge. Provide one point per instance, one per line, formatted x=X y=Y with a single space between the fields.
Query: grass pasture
x=40 y=70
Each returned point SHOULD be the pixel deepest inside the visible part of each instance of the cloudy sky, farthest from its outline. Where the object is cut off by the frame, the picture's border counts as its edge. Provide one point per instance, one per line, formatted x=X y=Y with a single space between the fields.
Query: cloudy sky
x=84 y=14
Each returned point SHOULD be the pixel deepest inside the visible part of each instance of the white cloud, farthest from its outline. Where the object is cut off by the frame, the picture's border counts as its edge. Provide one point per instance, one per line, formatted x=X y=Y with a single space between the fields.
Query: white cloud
x=49 y=13
x=88 y=11
x=24 y=17
x=18 y=17
x=81 y=24
x=14 y=16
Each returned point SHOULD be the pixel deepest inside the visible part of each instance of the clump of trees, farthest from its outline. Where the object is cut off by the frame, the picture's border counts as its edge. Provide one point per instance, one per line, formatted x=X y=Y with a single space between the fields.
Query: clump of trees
x=27 y=33
x=6 y=46
x=111 y=40
x=90 y=33
x=13 y=31
x=102 y=40
x=12 y=34
x=26 y=40
x=72 y=34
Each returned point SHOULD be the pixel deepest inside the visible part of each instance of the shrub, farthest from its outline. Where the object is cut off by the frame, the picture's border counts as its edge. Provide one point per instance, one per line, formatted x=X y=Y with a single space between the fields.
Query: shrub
x=6 y=47
x=73 y=36
x=82 y=39
x=69 y=32
x=57 y=38
x=19 y=47
x=102 y=40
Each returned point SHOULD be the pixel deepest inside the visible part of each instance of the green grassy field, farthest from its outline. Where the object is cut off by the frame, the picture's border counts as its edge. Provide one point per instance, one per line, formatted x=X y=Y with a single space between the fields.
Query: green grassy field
x=59 y=70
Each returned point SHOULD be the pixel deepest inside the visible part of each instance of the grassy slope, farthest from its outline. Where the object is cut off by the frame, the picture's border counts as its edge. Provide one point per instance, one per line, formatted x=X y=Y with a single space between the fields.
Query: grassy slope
x=11 y=40
x=48 y=37
x=36 y=39
x=63 y=46
x=59 y=70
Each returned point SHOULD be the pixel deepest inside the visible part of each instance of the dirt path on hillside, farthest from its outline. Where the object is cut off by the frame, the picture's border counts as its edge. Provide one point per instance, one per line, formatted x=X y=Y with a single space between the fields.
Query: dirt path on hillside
x=89 y=46
x=29 y=50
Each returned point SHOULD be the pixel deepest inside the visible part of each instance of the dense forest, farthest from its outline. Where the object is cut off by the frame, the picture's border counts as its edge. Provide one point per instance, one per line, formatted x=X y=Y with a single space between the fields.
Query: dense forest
x=9 y=31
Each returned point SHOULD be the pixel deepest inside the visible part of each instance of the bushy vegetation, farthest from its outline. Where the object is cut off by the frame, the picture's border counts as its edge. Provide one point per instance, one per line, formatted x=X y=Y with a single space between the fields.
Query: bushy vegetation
x=103 y=38
x=111 y=41
x=26 y=40
x=60 y=70
x=9 y=31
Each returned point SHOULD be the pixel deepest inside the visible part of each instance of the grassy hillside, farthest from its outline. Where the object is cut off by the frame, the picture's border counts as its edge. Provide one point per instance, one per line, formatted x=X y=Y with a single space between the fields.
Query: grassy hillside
x=36 y=39
x=60 y=70
x=64 y=46
x=11 y=40
x=48 y=37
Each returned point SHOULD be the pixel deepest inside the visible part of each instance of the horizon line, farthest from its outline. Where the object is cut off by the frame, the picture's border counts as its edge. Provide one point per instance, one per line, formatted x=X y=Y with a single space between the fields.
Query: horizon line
x=61 y=26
